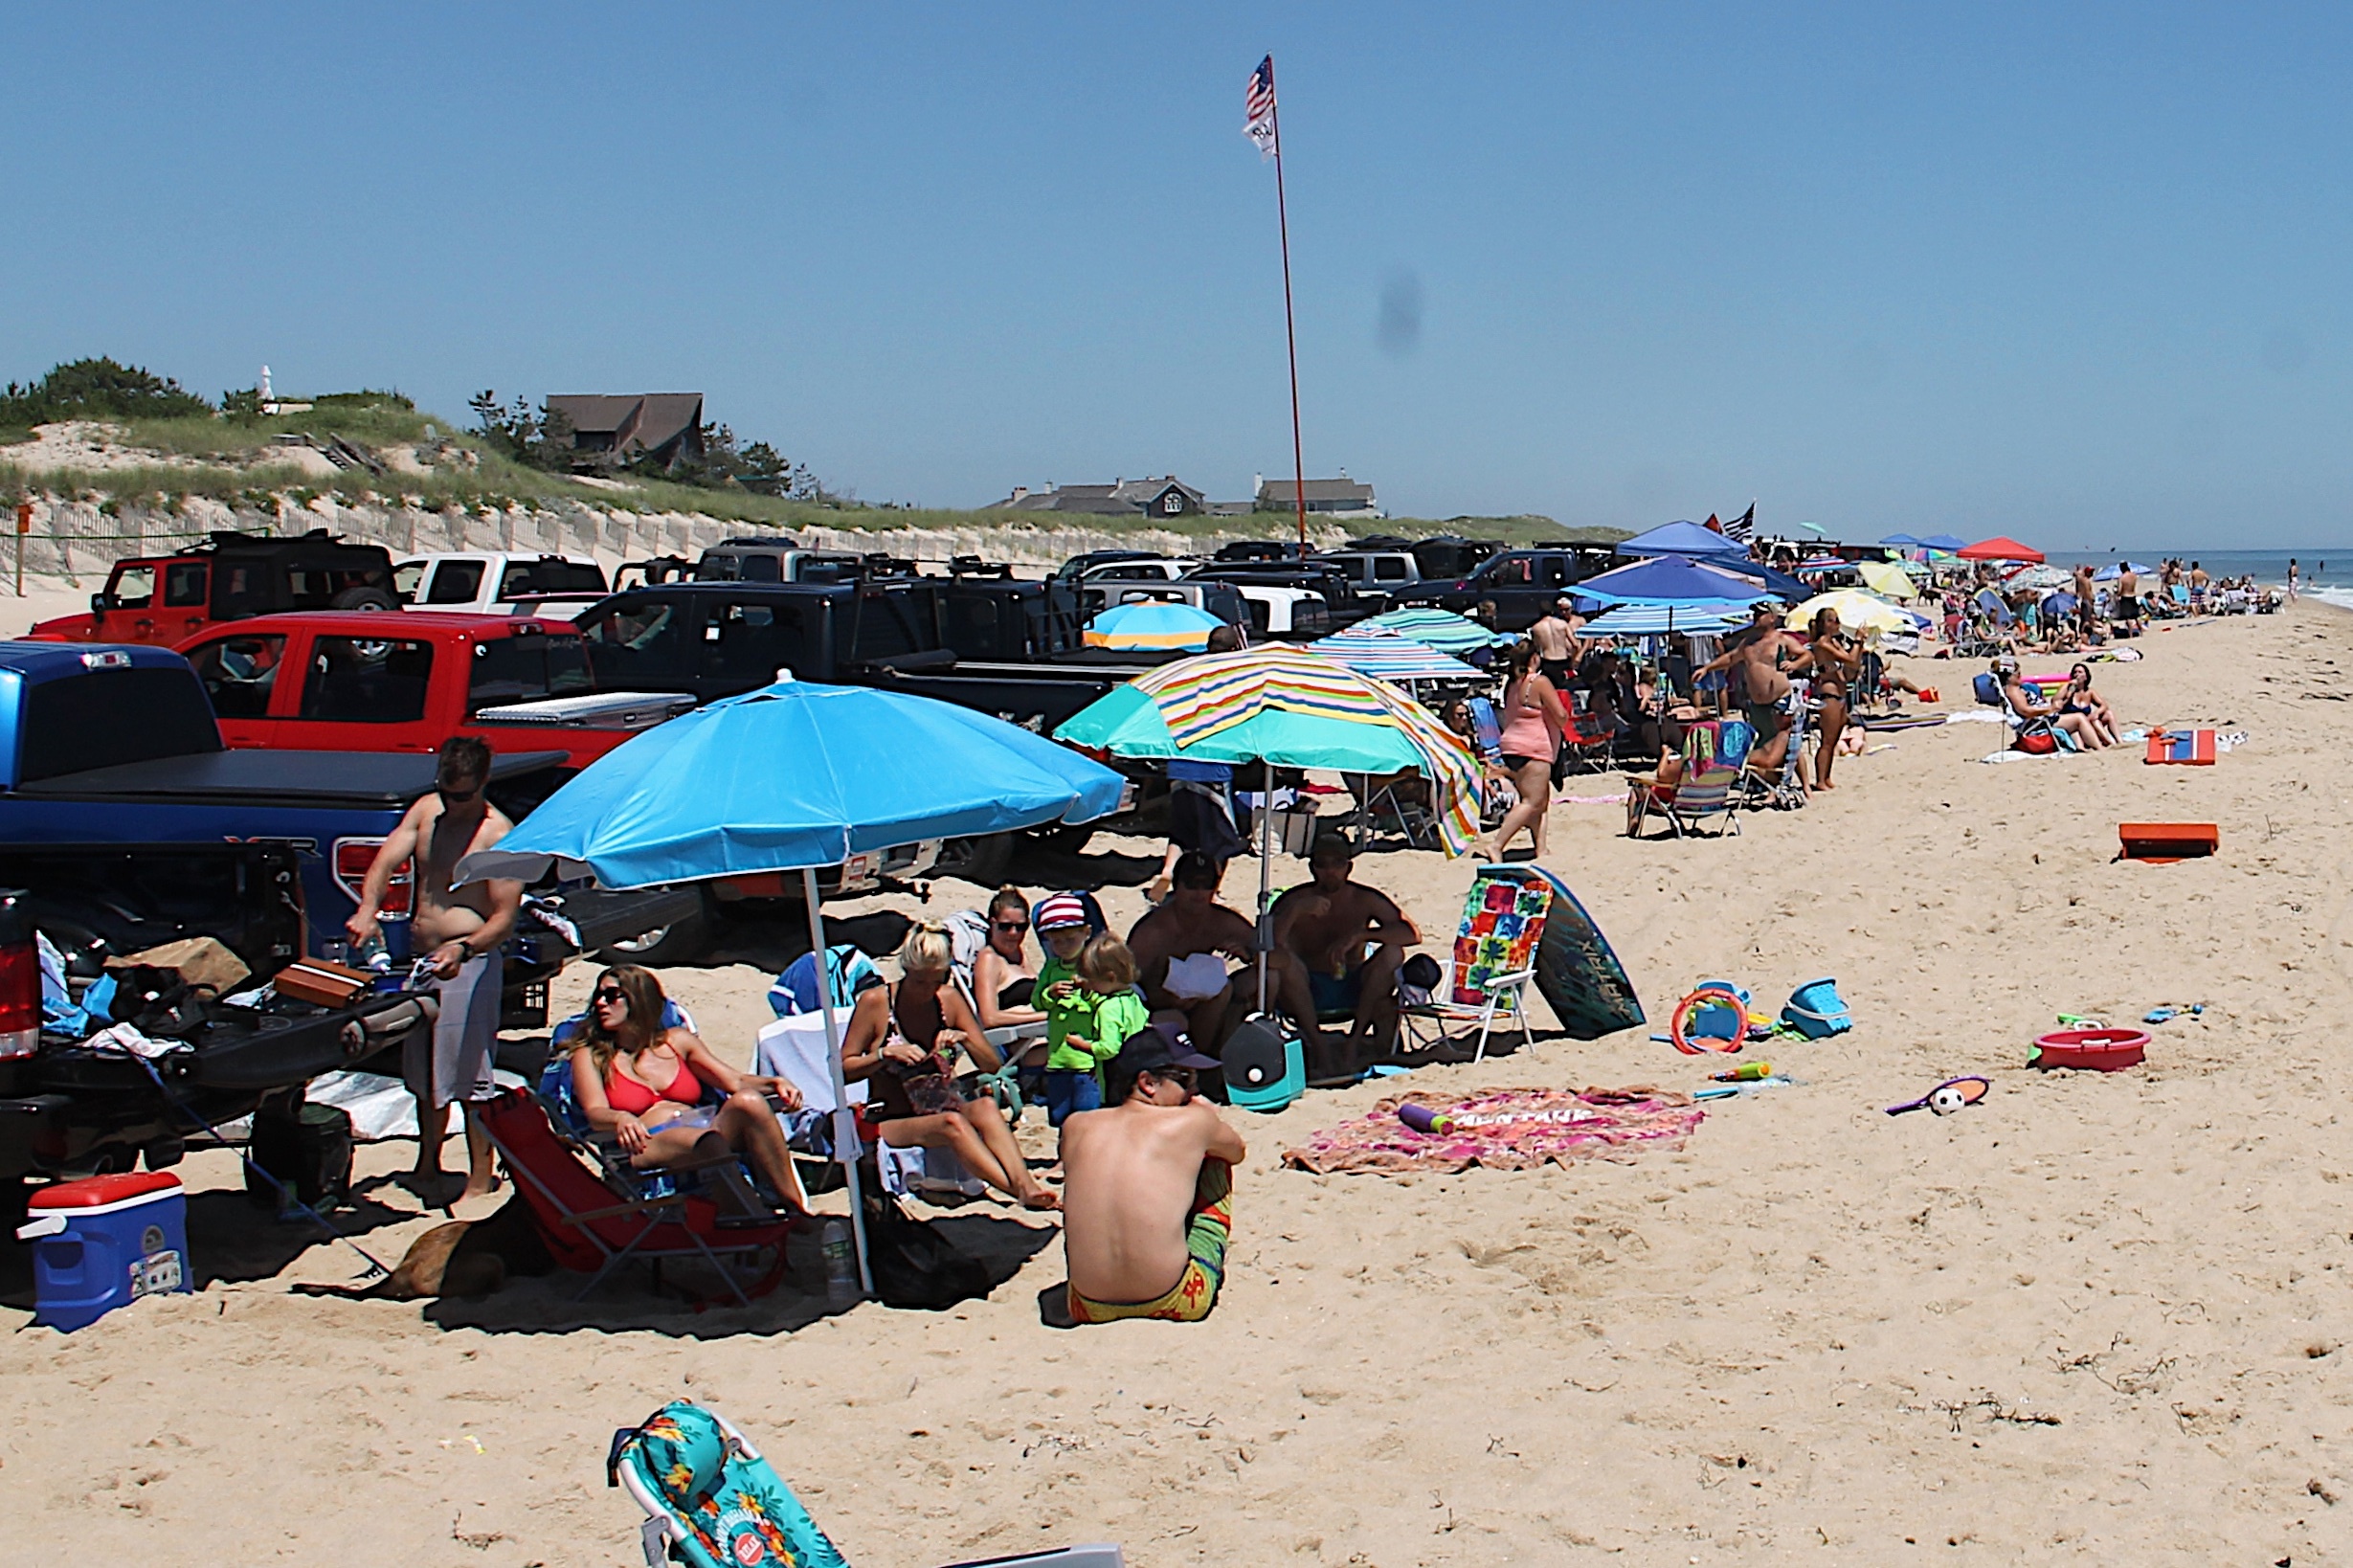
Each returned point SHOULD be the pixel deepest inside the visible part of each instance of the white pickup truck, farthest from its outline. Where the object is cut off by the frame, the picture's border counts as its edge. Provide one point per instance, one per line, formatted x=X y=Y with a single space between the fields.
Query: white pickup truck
x=492 y=581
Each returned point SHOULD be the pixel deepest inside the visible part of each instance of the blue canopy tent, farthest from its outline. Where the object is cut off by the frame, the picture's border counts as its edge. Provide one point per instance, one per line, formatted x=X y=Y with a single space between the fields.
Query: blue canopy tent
x=793 y=778
x=1688 y=539
x=1902 y=541
x=1673 y=579
x=1944 y=542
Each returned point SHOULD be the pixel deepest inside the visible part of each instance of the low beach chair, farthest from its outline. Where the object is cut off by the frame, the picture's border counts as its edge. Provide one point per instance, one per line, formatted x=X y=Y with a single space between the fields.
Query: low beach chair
x=1589 y=738
x=593 y=1224
x=1714 y=754
x=1483 y=981
x=710 y=1501
x=1784 y=788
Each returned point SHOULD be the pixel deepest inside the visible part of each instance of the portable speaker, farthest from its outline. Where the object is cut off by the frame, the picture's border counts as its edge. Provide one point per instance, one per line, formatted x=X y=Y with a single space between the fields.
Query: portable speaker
x=1266 y=1068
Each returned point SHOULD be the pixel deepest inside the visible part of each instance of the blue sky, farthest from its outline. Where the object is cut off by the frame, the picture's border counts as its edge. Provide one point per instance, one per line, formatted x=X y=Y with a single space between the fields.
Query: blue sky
x=2070 y=273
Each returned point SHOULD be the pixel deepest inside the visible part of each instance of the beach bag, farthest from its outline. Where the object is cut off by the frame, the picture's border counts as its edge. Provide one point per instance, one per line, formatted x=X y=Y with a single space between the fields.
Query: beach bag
x=2037 y=739
x=1988 y=691
x=913 y=1264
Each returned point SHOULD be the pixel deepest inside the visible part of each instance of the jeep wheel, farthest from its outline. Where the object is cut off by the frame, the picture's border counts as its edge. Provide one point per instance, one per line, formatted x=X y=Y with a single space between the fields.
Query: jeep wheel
x=363 y=598
x=684 y=941
x=980 y=861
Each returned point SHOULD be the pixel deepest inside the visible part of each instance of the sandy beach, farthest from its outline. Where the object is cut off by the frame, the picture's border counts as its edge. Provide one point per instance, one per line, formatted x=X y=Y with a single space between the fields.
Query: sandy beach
x=2097 y=1318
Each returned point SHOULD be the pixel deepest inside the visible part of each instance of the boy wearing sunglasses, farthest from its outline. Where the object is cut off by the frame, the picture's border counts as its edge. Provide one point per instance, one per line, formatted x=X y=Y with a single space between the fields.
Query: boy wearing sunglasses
x=458 y=932
x=1147 y=1187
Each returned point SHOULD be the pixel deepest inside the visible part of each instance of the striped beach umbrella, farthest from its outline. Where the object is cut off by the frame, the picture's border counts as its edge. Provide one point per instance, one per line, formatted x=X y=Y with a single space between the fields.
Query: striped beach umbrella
x=1152 y=624
x=1388 y=656
x=1287 y=709
x=1440 y=629
x=1635 y=619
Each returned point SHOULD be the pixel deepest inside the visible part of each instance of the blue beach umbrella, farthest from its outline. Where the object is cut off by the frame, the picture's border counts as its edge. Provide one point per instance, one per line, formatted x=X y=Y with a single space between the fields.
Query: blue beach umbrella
x=1387 y=656
x=1440 y=629
x=792 y=777
x=1698 y=617
x=1669 y=579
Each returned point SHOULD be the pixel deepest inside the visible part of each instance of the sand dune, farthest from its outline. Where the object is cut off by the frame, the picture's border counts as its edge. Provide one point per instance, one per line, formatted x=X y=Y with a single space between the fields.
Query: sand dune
x=2097 y=1318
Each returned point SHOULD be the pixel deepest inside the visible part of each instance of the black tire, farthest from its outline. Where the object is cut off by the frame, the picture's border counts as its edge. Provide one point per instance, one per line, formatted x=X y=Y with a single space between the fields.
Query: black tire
x=1066 y=840
x=980 y=861
x=684 y=941
x=363 y=598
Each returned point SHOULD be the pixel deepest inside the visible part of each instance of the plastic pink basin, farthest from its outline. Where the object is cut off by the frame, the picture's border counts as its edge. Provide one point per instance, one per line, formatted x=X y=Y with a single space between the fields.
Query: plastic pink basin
x=2102 y=1050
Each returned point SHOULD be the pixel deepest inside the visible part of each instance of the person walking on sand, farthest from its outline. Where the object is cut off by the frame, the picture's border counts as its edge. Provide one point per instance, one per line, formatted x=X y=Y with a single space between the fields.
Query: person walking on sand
x=2291 y=580
x=1146 y=1190
x=1533 y=719
x=461 y=931
x=1557 y=647
x=2128 y=599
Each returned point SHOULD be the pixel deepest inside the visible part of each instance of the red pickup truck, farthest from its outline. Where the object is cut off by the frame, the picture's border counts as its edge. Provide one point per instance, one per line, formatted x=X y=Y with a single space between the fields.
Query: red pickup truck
x=407 y=680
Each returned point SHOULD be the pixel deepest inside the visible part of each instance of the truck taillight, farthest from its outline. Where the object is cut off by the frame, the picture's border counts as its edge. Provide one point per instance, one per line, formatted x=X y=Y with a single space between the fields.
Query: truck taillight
x=20 y=980
x=353 y=858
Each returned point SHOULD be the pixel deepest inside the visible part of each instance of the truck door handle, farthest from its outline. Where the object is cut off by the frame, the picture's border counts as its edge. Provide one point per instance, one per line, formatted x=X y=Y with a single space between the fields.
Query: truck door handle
x=145 y=628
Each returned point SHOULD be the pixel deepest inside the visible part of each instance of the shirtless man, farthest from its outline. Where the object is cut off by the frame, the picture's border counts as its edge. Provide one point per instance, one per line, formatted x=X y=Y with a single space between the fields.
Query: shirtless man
x=1192 y=934
x=1146 y=1190
x=1557 y=648
x=1755 y=660
x=1338 y=944
x=458 y=932
x=2128 y=598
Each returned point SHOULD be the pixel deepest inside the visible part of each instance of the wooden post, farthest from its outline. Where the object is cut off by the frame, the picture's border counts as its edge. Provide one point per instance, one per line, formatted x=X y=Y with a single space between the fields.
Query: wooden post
x=24 y=526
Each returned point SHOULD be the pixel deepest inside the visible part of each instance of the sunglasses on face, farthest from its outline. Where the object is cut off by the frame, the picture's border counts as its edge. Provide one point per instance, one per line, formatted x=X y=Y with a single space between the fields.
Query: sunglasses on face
x=1185 y=1077
x=1011 y=924
x=606 y=995
x=456 y=798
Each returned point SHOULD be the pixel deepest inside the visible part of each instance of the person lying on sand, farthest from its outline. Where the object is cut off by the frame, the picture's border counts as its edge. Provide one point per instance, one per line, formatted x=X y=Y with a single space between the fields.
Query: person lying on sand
x=903 y=1041
x=1344 y=942
x=1146 y=1215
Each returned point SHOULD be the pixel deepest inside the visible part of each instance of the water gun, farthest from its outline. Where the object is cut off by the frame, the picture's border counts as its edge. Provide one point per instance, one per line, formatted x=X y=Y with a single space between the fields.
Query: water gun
x=1423 y=1119
x=1747 y=1073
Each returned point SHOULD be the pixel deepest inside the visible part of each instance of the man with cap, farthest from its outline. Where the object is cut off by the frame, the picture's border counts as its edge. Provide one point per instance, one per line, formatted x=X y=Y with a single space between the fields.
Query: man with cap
x=1146 y=1188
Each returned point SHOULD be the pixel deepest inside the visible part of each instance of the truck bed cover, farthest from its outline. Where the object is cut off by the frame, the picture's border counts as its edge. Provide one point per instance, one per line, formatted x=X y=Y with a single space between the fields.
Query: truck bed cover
x=297 y=778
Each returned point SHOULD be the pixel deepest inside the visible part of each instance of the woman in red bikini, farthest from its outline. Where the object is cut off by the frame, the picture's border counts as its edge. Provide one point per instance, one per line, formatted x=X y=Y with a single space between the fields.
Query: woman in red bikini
x=644 y=1085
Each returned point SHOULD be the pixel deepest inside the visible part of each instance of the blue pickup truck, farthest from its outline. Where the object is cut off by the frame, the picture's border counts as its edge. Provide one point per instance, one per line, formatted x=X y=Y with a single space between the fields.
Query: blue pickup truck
x=103 y=744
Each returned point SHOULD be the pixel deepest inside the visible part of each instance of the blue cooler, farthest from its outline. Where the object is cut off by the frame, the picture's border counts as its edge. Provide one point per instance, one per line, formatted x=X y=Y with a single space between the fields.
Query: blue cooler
x=103 y=1243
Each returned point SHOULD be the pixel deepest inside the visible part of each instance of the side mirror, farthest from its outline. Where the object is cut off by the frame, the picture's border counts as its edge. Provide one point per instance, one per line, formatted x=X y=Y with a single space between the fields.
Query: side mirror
x=100 y=603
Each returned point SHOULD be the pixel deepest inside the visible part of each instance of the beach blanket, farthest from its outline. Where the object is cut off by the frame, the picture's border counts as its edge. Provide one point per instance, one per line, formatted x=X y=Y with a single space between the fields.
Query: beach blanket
x=1504 y=1129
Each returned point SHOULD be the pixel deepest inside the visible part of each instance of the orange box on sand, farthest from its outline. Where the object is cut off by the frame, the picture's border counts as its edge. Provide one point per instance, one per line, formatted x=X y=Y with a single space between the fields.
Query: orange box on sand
x=2162 y=843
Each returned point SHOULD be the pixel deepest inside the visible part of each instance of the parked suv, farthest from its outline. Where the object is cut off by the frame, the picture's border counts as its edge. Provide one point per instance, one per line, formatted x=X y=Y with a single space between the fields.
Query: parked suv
x=1376 y=576
x=168 y=598
x=1522 y=584
x=493 y=582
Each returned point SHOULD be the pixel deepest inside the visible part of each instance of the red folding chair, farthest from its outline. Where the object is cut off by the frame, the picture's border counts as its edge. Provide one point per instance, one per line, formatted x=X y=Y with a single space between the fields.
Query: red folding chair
x=591 y=1229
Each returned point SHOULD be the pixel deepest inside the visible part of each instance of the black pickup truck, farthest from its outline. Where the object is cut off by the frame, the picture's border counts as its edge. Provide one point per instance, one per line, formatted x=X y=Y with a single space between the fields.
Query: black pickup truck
x=69 y=1109
x=999 y=645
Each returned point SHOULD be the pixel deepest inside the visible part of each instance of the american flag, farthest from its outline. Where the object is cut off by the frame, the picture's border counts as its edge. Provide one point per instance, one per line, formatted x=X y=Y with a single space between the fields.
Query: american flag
x=1258 y=105
x=1744 y=528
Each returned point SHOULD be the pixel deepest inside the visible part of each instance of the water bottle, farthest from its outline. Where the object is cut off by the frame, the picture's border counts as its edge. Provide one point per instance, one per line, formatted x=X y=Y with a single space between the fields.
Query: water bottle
x=840 y=1264
x=374 y=954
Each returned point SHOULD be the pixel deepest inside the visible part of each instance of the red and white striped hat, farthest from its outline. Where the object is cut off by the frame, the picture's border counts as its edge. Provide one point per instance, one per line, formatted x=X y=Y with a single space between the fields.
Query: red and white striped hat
x=1057 y=911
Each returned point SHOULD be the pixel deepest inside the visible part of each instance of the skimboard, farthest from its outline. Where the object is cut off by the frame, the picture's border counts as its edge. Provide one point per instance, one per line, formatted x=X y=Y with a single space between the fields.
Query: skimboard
x=1517 y=911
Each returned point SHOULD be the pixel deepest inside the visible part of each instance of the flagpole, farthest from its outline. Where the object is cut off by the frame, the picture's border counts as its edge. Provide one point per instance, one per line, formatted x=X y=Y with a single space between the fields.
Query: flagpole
x=1290 y=332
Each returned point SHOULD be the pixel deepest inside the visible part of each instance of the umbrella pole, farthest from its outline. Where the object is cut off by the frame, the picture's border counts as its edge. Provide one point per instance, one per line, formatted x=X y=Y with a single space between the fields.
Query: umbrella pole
x=1265 y=940
x=846 y=1121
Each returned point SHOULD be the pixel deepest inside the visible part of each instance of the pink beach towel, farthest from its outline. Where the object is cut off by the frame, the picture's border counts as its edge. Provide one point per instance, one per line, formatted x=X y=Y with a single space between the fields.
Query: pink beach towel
x=1504 y=1130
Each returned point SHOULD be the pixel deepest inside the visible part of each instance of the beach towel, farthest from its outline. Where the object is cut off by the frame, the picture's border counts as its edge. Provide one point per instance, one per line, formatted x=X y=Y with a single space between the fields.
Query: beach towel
x=1504 y=1129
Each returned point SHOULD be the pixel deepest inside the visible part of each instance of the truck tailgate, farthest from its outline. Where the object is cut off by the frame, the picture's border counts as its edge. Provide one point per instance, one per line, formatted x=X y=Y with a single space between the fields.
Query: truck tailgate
x=291 y=779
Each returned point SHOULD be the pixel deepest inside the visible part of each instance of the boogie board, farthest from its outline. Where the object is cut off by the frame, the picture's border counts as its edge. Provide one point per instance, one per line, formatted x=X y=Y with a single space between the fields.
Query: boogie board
x=1514 y=910
x=2194 y=748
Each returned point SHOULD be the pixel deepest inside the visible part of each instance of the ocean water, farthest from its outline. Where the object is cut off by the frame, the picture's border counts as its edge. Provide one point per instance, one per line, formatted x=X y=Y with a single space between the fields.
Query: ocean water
x=2326 y=574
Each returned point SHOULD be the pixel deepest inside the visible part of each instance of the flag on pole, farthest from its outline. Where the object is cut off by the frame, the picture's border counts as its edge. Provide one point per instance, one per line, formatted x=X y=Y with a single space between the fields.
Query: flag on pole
x=1745 y=526
x=1711 y=525
x=1258 y=105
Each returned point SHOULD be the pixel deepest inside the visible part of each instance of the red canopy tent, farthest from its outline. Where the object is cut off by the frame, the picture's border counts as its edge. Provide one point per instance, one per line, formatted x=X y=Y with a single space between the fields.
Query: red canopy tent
x=1998 y=548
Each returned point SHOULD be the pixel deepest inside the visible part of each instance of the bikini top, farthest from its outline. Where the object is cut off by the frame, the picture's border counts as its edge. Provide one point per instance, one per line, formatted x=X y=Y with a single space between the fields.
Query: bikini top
x=624 y=1093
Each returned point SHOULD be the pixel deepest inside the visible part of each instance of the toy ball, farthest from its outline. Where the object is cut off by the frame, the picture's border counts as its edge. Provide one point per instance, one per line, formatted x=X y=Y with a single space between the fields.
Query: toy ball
x=1946 y=1100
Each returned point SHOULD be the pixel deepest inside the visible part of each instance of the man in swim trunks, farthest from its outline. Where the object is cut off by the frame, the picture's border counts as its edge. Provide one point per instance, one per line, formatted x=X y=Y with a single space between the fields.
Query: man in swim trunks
x=1146 y=1190
x=460 y=931
x=1755 y=657
x=1557 y=648
x=1181 y=951
x=2127 y=598
x=1344 y=942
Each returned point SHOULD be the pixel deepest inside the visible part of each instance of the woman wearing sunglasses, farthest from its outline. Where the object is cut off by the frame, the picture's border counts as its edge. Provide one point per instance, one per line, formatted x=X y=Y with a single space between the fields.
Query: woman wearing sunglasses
x=1002 y=974
x=645 y=1085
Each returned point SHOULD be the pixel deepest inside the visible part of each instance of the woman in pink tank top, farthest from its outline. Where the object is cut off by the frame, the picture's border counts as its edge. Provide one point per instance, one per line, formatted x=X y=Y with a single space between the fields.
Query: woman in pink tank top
x=1534 y=718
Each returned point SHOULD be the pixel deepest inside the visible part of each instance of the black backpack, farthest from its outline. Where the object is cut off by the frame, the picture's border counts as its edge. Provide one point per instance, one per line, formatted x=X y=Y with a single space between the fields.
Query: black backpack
x=914 y=1266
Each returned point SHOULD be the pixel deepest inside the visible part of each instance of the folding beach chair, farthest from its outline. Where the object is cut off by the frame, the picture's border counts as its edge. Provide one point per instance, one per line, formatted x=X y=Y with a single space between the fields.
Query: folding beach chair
x=593 y=1224
x=1714 y=754
x=1784 y=788
x=1483 y=981
x=1588 y=739
x=710 y=1500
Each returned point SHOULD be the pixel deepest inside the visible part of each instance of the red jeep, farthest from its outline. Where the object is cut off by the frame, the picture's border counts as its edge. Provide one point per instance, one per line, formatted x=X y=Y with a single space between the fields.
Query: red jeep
x=407 y=680
x=165 y=599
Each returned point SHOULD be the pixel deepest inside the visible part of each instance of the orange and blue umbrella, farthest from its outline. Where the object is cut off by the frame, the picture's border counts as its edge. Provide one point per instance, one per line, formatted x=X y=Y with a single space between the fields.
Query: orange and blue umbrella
x=1152 y=624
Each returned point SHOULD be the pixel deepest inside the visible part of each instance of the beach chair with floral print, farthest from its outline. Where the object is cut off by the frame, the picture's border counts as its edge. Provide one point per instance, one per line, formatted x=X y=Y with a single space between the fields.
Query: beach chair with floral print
x=710 y=1500
x=1483 y=981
